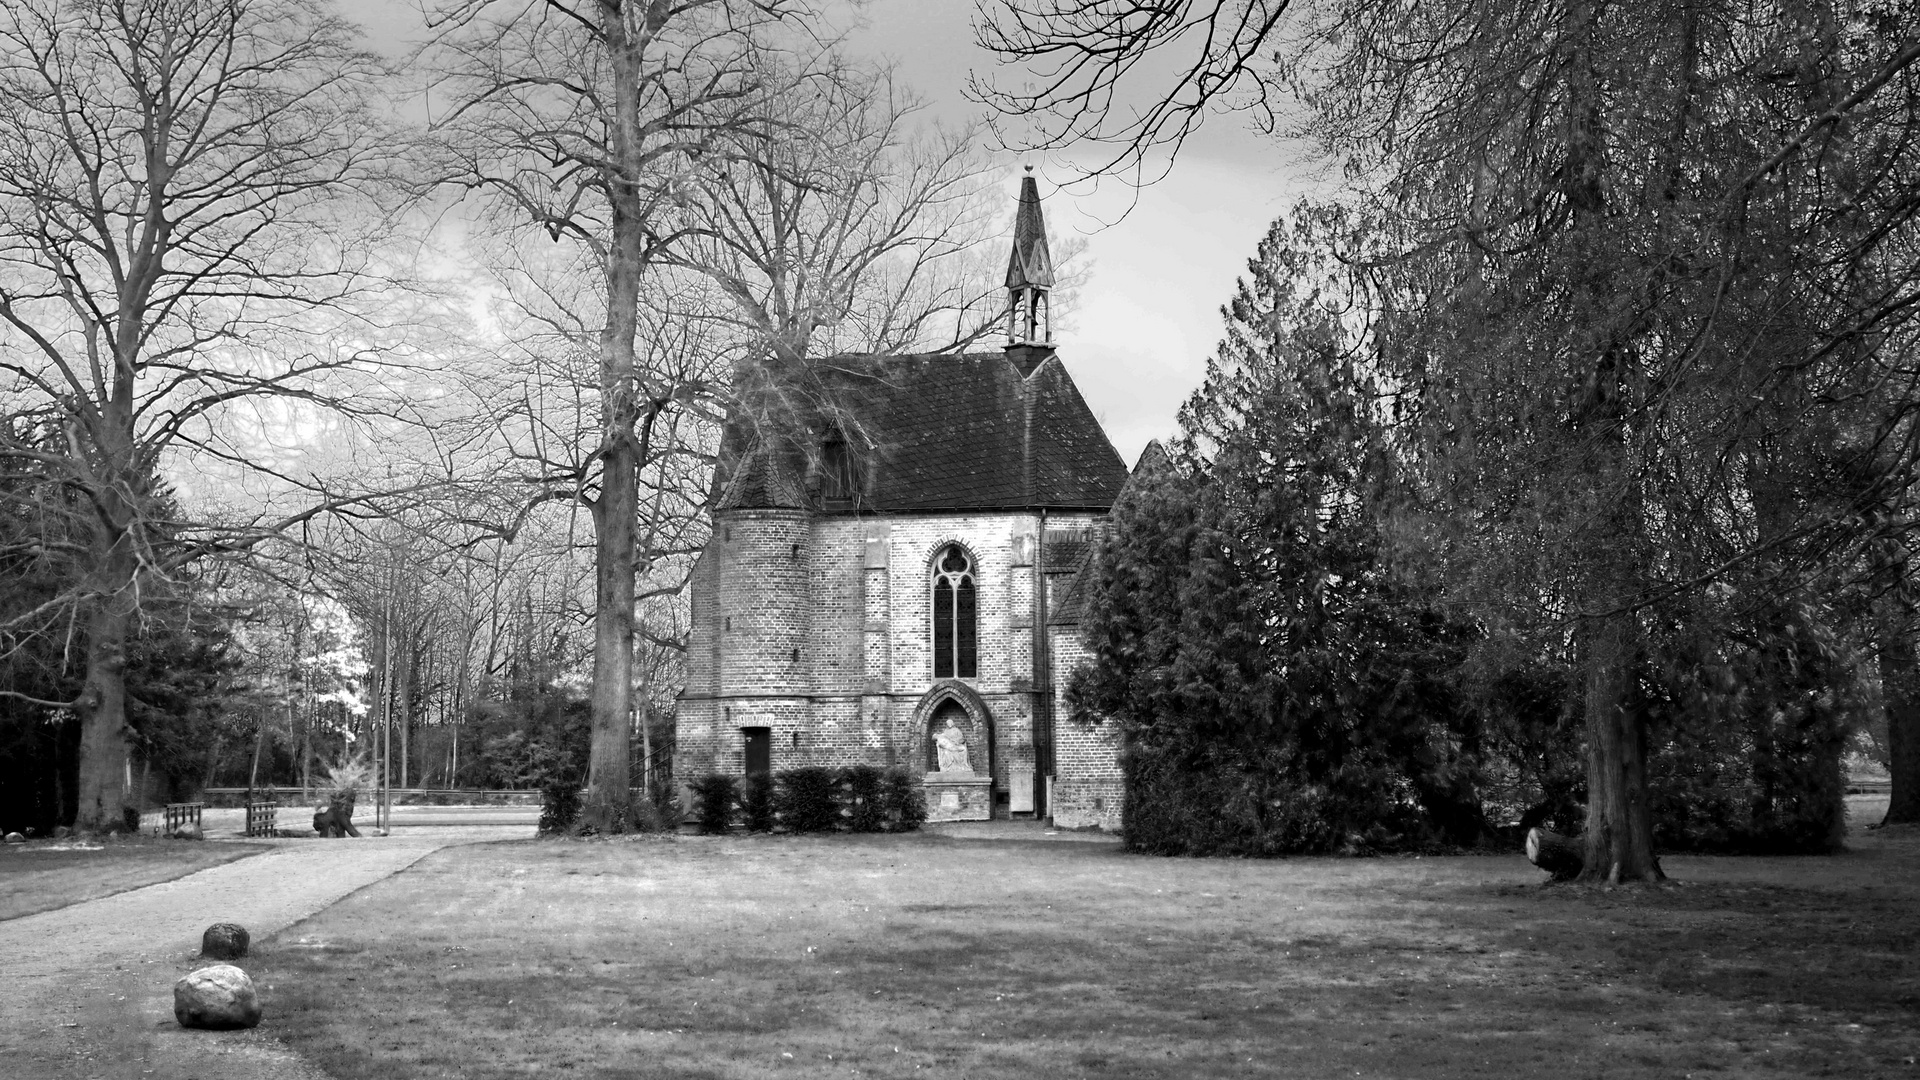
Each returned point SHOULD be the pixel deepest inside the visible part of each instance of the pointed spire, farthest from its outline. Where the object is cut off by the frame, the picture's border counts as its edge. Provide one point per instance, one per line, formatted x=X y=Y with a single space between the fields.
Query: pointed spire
x=1029 y=276
x=1031 y=264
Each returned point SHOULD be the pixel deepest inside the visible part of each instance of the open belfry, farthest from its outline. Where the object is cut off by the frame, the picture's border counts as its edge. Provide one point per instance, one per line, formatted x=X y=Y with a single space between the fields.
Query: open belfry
x=908 y=592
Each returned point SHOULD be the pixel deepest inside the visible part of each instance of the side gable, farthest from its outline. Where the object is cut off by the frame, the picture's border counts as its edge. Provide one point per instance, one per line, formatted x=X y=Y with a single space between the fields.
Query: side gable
x=1070 y=603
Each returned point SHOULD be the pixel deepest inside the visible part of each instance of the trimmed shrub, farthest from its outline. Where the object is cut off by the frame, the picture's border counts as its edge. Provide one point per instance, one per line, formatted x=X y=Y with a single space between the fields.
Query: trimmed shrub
x=905 y=805
x=806 y=799
x=661 y=813
x=714 y=798
x=756 y=803
x=866 y=809
x=559 y=805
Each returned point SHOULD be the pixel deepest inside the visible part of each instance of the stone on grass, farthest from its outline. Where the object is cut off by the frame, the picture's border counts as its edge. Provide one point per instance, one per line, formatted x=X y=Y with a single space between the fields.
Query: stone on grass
x=217 y=998
x=15 y=838
x=61 y=832
x=188 y=831
x=224 y=941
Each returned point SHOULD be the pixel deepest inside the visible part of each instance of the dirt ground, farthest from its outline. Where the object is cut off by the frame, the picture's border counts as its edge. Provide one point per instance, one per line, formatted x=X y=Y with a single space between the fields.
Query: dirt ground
x=917 y=956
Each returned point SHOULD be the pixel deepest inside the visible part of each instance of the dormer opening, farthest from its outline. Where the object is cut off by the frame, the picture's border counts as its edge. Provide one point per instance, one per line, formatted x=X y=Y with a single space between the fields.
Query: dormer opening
x=839 y=474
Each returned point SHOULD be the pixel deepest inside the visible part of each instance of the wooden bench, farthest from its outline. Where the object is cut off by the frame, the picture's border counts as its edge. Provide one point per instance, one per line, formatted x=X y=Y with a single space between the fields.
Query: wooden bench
x=262 y=818
x=179 y=814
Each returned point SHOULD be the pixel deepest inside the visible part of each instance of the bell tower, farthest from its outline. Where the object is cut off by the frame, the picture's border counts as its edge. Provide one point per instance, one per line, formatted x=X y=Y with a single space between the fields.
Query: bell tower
x=1029 y=275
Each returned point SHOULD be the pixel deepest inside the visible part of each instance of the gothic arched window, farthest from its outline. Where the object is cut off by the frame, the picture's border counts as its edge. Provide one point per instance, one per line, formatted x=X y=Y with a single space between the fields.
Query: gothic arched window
x=956 y=651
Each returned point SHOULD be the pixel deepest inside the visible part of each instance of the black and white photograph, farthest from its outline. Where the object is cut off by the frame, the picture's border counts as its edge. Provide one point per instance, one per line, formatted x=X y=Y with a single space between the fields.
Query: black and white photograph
x=964 y=539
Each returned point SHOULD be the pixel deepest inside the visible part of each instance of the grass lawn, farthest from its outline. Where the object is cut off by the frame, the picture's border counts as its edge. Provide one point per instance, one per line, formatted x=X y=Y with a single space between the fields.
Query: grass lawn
x=928 y=956
x=43 y=875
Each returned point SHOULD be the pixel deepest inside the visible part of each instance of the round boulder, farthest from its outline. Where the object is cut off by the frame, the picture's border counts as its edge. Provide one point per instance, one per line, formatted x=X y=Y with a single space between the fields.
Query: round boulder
x=224 y=941
x=189 y=831
x=15 y=838
x=217 y=998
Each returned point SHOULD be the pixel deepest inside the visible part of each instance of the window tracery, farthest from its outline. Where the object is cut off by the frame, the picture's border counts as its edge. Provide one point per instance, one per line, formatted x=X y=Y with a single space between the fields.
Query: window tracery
x=956 y=640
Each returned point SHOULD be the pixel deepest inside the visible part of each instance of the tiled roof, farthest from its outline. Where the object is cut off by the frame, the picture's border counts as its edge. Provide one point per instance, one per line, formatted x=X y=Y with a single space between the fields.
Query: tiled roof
x=1064 y=555
x=1070 y=599
x=971 y=431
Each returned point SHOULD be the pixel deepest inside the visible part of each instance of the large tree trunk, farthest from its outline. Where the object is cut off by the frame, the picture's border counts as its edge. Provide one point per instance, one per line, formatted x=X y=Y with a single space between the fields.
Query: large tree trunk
x=1619 y=830
x=608 y=806
x=104 y=760
x=1900 y=689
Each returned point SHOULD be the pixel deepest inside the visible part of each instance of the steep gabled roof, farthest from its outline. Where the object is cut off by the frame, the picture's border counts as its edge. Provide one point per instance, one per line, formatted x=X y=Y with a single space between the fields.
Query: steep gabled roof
x=974 y=431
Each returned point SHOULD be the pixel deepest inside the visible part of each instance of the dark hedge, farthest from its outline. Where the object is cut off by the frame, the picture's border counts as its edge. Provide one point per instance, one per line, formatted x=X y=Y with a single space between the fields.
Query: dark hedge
x=905 y=805
x=858 y=798
x=559 y=805
x=862 y=786
x=714 y=797
x=756 y=802
x=807 y=799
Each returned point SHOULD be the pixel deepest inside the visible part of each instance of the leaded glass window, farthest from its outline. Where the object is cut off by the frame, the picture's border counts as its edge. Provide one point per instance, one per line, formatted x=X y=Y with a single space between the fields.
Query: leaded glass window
x=956 y=639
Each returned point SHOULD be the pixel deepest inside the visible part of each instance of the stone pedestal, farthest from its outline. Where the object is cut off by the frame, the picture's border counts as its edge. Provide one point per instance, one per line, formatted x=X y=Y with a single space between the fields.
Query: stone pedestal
x=959 y=796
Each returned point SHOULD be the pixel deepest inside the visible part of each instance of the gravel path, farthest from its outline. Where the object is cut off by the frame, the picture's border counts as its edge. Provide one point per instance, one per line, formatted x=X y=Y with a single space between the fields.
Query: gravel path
x=88 y=989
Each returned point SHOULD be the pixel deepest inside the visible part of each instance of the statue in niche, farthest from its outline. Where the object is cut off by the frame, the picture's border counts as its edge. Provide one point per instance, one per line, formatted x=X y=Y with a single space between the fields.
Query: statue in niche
x=951 y=747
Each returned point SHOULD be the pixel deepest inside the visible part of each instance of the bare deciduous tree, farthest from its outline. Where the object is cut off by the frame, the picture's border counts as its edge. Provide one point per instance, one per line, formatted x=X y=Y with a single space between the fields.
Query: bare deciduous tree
x=733 y=193
x=182 y=236
x=584 y=119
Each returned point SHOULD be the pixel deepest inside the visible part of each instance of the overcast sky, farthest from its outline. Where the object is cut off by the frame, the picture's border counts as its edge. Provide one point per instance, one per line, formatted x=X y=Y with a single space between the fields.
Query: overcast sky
x=1149 y=316
x=1163 y=259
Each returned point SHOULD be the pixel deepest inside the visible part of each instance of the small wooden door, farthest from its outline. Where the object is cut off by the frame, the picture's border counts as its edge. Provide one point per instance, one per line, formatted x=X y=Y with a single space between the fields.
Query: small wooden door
x=759 y=743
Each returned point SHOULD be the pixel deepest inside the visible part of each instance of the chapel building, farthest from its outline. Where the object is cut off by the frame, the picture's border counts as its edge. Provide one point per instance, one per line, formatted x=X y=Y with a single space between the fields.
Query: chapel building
x=915 y=600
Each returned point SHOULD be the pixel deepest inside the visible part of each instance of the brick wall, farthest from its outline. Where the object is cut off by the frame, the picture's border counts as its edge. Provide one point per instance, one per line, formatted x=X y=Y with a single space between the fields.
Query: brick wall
x=989 y=538
x=853 y=597
x=836 y=607
x=762 y=580
x=703 y=643
x=1087 y=789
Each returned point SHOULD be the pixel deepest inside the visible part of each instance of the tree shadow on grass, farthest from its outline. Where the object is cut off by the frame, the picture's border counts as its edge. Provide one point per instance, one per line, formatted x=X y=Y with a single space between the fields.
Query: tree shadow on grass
x=1855 y=953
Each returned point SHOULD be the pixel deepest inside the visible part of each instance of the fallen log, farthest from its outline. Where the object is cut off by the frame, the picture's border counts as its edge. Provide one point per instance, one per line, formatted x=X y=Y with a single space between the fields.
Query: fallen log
x=1561 y=856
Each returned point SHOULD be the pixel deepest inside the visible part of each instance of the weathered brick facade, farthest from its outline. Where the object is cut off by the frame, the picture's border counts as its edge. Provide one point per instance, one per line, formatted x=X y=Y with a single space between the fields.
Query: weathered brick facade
x=818 y=628
x=813 y=603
